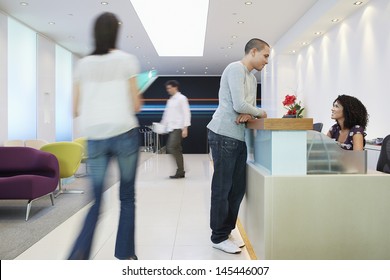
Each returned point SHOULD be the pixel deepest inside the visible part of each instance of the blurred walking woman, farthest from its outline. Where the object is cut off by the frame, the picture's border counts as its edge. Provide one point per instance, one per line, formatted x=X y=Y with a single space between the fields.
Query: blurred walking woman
x=106 y=100
x=351 y=121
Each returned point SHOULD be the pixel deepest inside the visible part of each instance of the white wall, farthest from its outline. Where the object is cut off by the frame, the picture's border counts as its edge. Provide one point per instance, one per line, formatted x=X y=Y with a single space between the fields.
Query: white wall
x=28 y=84
x=22 y=83
x=46 y=89
x=3 y=78
x=354 y=59
x=64 y=89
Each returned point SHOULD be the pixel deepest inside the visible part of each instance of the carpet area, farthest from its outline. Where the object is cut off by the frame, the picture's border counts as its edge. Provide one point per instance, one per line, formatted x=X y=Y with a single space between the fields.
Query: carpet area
x=17 y=235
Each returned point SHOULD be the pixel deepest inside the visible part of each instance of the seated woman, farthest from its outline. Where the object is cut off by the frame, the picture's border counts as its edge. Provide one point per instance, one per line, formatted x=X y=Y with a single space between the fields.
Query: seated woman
x=351 y=120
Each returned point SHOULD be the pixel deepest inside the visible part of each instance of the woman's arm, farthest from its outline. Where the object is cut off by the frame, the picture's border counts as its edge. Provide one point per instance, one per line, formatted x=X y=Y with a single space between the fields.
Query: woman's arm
x=134 y=94
x=358 y=142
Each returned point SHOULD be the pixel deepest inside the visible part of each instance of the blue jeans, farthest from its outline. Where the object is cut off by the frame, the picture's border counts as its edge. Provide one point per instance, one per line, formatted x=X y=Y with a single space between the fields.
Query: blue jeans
x=125 y=148
x=228 y=185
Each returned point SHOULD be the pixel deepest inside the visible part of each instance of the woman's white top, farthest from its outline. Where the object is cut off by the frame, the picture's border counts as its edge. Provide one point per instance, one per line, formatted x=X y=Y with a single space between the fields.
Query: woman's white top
x=105 y=106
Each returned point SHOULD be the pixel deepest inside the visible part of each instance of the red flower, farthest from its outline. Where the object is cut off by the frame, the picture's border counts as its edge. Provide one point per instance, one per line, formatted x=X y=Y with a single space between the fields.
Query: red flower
x=292 y=112
x=289 y=100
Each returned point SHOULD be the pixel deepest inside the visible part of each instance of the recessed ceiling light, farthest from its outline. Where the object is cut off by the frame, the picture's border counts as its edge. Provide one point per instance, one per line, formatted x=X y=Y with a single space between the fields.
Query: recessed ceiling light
x=189 y=39
x=205 y=72
x=240 y=22
x=318 y=33
x=183 y=68
x=358 y=3
x=293 y=51
x=184 y=72
x=119 y=22
x=234 y=36
x=104 y=3
x=248 y=3
x=52 y=23
x=23 y=3
x=304 y=43
x=229 y=47
x=206 y=67
x=335 y=20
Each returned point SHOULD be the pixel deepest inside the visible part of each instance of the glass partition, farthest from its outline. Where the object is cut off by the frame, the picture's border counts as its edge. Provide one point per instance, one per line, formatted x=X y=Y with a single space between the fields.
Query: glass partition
x=325 y=156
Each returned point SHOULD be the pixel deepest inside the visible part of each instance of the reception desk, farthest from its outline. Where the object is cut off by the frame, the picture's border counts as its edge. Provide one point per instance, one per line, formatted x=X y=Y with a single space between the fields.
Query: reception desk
x=312 y=216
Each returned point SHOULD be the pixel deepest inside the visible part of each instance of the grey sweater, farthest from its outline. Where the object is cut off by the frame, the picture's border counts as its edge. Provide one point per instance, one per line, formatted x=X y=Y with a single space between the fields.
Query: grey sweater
x=237 y=95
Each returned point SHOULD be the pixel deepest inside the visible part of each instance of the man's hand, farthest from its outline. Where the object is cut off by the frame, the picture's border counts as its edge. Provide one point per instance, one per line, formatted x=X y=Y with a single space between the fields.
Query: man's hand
x=184 y=132
x=243 y=118
x=264 y=115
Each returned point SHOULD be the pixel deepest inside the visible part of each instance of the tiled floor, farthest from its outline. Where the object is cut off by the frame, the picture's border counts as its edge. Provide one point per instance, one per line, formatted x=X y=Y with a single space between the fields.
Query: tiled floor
x=172 y=218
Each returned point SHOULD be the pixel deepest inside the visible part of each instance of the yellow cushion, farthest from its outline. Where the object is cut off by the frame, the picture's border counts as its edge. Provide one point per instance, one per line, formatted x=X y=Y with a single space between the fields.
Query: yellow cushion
x=69 y=156
x=83 y=142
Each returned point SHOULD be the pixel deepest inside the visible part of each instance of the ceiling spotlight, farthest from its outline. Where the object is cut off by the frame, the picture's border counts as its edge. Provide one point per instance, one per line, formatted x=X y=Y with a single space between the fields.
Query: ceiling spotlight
x=293 y=51
x=318 y=33
x=240 y=22
x=104 y=3
x=335 y=20
x=304 y=43
x=119 y=22
x=137 y=47
x=183 y=68
x=206 y=67
x=234 y=36
x=52 y=23
x=229 y=47
x=23 y=3
x=205 y=72
x=248 y=3
x=358 y=3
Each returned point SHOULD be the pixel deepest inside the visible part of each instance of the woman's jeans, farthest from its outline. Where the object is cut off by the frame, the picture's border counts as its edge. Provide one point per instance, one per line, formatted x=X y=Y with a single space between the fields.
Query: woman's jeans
x=125 y=148
x=228 y=184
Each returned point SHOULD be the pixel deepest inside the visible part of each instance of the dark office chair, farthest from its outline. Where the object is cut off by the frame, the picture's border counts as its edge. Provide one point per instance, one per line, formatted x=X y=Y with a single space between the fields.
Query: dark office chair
x=318 y=126
x=384 y=157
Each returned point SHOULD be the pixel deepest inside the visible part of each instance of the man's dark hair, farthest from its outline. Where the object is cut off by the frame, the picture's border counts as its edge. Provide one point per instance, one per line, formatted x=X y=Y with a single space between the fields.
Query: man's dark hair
x=173 y=83
x=105 y=33
x=255 y=43
x=355 y=113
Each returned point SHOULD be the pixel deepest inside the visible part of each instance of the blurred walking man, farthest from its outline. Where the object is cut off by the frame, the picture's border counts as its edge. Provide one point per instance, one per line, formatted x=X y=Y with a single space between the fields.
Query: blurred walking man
x=177 y=119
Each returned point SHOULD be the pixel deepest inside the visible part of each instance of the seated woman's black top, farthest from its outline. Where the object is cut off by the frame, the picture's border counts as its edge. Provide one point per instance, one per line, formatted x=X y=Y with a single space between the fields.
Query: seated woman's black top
x=348 y=144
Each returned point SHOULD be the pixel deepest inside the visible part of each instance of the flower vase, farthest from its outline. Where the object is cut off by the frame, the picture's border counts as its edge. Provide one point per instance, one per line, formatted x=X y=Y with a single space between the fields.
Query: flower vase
x=289 y=116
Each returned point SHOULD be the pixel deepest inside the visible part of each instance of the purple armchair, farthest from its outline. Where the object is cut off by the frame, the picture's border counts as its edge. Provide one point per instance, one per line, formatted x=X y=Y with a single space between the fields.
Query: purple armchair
x=27 y=173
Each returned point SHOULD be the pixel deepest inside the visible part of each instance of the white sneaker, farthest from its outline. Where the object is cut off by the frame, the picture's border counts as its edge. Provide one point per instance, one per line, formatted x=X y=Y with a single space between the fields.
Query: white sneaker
x=237 y=240
x=227 y=246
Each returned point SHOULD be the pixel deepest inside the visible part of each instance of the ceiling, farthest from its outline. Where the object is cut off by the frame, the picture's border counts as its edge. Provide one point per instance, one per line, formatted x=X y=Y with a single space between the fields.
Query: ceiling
x=265 y=19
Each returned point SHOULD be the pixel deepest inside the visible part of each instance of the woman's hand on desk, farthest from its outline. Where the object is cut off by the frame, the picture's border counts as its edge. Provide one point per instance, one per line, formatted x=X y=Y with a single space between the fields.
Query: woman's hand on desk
x=243 y=118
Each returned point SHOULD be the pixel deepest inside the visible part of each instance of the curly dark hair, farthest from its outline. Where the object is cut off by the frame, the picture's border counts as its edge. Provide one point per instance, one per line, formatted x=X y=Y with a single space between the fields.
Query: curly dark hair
x=355 y=113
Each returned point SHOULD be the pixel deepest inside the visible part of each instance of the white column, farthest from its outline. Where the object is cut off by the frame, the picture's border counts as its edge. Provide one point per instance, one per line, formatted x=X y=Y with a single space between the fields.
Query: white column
x=45 y=89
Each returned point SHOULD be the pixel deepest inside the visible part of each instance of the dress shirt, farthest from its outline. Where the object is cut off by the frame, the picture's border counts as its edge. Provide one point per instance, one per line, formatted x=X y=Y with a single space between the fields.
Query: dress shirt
x=177 y=114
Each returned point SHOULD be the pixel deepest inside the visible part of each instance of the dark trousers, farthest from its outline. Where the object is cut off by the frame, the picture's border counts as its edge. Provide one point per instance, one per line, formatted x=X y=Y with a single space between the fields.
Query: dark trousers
x=174 y=147
x=228 y=185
